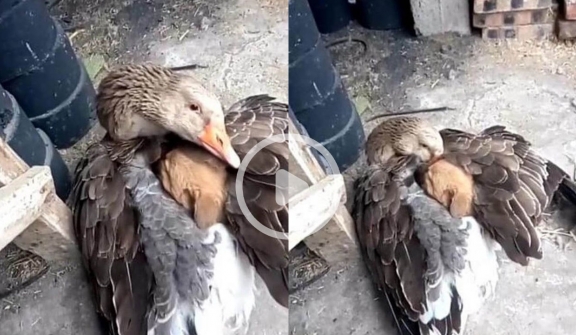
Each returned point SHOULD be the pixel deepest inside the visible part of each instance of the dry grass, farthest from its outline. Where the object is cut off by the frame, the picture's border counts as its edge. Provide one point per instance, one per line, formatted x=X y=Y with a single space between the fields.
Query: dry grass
x=23 y=264
x=549 y=56
x=559 y=236
x=20 y=269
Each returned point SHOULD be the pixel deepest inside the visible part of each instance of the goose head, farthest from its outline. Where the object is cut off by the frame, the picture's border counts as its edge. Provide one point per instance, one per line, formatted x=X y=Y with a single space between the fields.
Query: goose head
x=404 y=136
x=137 y=101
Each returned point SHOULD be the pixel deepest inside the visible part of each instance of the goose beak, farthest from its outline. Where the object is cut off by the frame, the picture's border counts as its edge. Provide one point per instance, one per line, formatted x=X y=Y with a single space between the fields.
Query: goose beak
x=216 y=141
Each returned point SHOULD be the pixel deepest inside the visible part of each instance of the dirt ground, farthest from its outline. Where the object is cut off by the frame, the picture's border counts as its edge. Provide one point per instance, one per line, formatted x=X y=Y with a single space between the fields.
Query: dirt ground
x=244 y=43
x=528 y=87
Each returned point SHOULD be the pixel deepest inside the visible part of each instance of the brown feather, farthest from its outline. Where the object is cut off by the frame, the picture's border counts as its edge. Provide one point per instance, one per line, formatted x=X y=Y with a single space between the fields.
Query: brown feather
x=257 y=118
x=511 y=188
x=106 y=230
x=384 y=227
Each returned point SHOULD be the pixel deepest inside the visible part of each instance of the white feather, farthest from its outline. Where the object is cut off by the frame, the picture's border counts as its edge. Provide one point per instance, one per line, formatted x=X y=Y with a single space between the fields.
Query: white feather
x=232 y=296
x=478 y=281
x=474 y=284
x=440 y=308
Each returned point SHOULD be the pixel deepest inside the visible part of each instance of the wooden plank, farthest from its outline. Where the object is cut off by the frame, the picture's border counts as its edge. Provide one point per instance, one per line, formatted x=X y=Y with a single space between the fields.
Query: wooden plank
x=433 y=17
x=51 y=236
x=21 y=201
x=313 y=207
x=304 y=165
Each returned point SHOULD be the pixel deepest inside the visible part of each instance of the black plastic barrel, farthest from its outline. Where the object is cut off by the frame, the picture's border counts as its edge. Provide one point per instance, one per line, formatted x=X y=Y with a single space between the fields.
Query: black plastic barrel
x=53 y=81
x=303 y=34
x=331 y=15
x=302 y=130
x=68 y=122
x=311 y=77
x=27 y=35
x=60 y=173
x=316 y=95
x=346 y=145
x=334 y=111
x=336 y=125
x=55 y=91
x=33 y=147
x=384 y=14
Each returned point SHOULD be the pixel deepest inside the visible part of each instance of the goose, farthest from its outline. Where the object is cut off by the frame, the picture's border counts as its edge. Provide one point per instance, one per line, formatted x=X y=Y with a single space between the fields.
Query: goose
x=154 y=270
x=433 y=207
x=204 y=185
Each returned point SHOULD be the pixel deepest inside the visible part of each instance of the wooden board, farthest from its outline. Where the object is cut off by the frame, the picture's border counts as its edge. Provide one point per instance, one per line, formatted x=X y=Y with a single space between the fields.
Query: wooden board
x=313 y=207
x=433 y=17
x=21 y=201
x=51 y=236
x=304 y=165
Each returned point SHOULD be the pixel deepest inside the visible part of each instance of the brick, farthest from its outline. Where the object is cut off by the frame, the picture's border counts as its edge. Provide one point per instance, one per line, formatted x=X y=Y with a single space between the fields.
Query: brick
x=538 y=16
x=566 y=29
x=569 y=9
x=494 y=6
x=527 y=32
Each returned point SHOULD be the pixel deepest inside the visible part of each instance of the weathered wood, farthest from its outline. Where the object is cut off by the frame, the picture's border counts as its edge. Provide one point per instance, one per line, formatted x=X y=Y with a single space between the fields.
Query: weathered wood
x=433 y=17
x=21 y=201
x=51 y=236
x=313 y=207
x=305 y=166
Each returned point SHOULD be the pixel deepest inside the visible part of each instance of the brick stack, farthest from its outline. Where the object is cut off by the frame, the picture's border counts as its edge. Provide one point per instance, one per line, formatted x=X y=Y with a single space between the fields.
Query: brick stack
x=567 y=24
x=515 y=19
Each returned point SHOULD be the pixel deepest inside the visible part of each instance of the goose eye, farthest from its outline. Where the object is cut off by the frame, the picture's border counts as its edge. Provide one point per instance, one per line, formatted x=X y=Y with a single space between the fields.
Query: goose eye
x=194 y=107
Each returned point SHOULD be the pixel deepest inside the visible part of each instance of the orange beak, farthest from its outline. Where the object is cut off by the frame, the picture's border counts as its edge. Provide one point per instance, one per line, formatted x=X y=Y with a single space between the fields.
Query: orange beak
x=215 y=140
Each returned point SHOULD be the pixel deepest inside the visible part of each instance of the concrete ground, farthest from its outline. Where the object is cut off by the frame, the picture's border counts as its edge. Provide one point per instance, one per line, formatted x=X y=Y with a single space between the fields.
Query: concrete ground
x=244 y=44
x=528 y=87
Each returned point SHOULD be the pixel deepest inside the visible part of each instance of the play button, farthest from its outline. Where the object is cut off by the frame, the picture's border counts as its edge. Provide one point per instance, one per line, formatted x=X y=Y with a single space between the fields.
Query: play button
x=287 y=184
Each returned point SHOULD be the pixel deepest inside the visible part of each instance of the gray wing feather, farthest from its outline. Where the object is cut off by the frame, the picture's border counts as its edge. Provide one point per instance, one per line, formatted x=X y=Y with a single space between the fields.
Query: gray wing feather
x=176 y=249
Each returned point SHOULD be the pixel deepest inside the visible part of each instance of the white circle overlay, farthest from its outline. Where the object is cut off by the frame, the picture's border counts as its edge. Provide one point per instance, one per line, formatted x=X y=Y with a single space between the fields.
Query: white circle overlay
x=303 y=141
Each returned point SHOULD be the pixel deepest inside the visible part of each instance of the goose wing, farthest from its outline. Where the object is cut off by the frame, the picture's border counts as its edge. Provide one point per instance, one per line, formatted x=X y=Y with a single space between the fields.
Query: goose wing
x=106 y=228
x=248 y=122
x=385 y=226
x=512 y=185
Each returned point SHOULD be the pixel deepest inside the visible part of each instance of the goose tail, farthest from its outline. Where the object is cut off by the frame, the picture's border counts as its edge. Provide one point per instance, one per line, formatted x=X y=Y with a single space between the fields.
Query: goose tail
x=233 y=287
